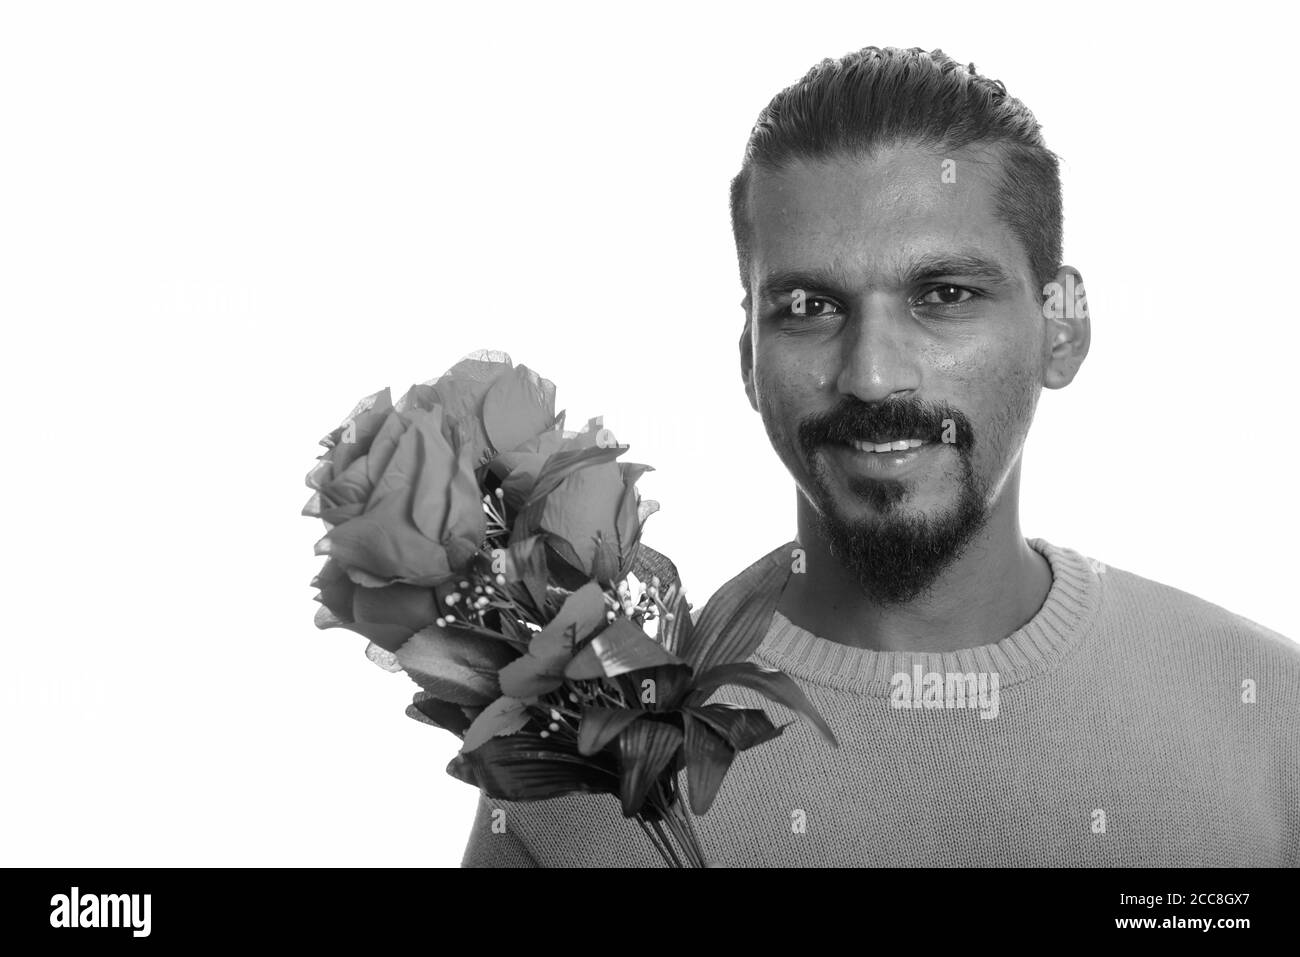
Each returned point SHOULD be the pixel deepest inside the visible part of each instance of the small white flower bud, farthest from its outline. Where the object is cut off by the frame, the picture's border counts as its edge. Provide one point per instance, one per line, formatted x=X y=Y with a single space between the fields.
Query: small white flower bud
x=554 y=726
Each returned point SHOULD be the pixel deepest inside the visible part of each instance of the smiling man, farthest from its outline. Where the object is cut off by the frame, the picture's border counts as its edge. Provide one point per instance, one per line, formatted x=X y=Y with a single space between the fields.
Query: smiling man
x=998 y=701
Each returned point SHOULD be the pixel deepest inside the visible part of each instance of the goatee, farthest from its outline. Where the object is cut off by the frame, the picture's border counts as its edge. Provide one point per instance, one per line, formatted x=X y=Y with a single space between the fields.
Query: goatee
x=896 y=557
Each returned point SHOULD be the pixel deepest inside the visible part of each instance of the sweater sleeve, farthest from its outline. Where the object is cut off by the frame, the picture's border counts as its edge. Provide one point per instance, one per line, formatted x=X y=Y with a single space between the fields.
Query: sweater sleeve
x=489 y=848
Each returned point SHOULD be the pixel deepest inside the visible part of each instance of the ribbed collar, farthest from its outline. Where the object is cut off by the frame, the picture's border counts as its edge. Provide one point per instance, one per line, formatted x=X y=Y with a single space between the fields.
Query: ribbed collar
x=1072 y=605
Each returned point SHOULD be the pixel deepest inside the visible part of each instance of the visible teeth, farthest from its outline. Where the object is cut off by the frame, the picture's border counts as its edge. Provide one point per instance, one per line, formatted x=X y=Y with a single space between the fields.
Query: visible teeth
x=897 y=445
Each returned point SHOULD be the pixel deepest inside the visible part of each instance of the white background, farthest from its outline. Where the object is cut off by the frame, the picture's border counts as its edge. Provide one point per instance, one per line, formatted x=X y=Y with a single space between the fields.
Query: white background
x=224 y=223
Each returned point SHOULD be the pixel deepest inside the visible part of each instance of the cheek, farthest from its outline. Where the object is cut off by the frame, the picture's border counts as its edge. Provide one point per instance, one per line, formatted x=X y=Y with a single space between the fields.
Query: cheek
x=1008 y=395
x=787 y=393
x=785 y=387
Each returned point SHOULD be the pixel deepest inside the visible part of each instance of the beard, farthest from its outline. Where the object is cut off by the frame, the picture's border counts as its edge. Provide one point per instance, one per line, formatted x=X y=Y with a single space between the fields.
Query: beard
x=896 y=556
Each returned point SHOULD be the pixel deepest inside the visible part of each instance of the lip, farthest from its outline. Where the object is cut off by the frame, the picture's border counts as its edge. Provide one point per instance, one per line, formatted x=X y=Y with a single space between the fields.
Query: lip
x=881 y=464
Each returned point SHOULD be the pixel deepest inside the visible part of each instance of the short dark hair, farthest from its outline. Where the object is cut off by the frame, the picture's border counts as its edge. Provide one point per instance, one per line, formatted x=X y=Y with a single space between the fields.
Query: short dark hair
x=890 y=97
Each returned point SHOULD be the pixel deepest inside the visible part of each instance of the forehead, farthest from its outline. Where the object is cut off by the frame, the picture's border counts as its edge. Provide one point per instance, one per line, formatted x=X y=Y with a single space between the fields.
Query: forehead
x=870 y=216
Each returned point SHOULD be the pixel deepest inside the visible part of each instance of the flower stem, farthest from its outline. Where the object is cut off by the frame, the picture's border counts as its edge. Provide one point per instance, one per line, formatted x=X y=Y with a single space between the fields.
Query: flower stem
x=690 y=829
x=653 y=840
x=677 y=819
x=688 y=845
x=659 y=829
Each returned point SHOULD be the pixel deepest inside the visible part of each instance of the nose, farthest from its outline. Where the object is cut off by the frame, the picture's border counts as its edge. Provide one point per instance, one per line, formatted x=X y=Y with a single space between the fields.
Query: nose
x=879 y=358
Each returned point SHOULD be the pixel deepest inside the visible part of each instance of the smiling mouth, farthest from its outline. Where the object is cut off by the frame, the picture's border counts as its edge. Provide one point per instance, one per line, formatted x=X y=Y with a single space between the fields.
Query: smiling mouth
x=889 y=445
x=891 y=458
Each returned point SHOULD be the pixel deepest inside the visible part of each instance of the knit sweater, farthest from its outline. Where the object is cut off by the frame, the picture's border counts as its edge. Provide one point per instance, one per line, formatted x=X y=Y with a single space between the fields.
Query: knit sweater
x=1131 y=724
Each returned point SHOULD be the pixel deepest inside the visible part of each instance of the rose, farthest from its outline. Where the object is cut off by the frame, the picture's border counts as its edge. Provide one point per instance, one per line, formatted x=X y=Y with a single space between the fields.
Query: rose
x=593 y=519
x=490 y=405
x=520 y=468
x=342 y=485
x=404 y=513
x=410 y=508
x=398 y=493
x=387 y=616
x=566 y=486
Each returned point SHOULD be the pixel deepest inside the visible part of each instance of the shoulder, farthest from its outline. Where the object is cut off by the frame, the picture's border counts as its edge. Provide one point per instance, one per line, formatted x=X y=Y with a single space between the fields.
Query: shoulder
x=1176 y=619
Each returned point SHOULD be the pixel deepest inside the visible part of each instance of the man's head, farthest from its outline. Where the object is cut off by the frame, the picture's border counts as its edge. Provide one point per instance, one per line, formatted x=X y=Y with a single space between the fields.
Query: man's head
x=896 y=219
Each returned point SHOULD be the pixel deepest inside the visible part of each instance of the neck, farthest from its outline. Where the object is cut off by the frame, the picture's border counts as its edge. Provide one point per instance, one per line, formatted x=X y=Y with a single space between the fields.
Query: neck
x=995 y=586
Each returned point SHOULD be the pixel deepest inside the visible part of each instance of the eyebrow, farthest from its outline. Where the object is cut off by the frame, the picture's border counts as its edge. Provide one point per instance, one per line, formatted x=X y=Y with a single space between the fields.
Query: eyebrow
x=926 y=268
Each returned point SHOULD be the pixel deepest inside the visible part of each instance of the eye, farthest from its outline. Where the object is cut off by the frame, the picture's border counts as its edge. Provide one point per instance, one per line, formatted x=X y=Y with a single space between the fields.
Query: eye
x=813 y=308
x=946 y=295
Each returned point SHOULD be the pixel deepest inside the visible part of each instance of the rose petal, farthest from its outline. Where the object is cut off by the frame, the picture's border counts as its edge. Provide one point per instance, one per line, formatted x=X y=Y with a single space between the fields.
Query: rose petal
x=407 y=605
x=518 y=406
x=584 y=503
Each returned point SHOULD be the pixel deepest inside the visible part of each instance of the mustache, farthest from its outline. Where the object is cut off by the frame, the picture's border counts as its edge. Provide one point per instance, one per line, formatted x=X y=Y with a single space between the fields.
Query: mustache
x=890 y=419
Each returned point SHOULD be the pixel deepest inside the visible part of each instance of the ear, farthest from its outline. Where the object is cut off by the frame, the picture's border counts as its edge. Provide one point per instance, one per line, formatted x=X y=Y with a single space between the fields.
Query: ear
x=747 y=357
x=1067 y=330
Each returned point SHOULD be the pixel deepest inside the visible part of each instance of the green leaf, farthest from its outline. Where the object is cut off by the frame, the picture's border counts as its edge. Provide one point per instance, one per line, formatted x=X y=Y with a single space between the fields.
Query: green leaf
x=602 y=725
x=425 y=708
x=605 y=561
x=506 y=635
x=563 y=564
x=708 y=757
x=678 y=634
x=542 y=668
x=528 y=767
x=527 y=559
x=774 y=684
x=514 y=631
x=620 y=648
x=672 y=682
x=563 y=464
x=583 y=611
x=503 y=716
x=456 y=668
x=737 y=618
x=743 y=728
x=645 y=748
x=529 y=676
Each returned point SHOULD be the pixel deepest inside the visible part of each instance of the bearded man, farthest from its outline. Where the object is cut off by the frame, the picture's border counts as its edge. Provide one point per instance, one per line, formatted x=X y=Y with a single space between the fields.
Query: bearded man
x=898 y=223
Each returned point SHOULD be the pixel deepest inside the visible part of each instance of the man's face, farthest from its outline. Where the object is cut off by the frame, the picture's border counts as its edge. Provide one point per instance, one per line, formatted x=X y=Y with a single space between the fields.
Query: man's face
x=920 y=322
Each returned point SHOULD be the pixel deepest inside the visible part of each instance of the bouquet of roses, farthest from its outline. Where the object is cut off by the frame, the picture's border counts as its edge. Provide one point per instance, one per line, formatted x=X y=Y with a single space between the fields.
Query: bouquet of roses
x=496 y=558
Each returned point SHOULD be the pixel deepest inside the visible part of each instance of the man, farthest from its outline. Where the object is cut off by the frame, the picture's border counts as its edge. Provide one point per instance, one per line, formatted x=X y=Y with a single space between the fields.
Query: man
x=997 y=701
